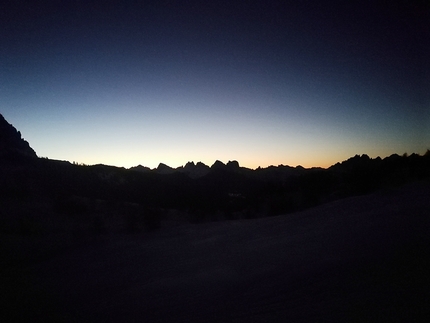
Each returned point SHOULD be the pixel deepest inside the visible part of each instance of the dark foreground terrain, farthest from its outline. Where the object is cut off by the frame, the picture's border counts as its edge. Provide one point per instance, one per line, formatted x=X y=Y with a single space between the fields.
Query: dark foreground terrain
x=359 y=259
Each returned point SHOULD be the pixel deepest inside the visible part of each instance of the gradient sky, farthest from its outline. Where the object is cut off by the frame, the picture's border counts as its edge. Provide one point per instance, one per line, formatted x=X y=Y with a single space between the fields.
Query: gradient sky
x=265 y=83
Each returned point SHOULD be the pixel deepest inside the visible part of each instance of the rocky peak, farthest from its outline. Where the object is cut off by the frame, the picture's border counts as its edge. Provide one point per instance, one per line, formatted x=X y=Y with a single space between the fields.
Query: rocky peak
x=164 y=169
x=233 y=164
x=196 y=170
x=189 y=166
x=11 y=142
x=218 y=165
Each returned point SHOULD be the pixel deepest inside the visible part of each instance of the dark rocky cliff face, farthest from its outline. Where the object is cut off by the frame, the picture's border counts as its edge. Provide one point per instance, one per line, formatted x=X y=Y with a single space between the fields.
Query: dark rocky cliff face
x=12 y=145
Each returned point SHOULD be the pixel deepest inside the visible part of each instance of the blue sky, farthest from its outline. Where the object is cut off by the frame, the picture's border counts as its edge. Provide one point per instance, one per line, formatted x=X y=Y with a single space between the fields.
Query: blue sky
x=262 y=83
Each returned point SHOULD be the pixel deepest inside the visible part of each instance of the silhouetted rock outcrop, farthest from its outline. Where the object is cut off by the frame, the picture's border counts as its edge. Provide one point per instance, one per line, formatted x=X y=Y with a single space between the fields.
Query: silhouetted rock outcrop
x=233 y=164
x=218 y=165
x=195 y=170
x=164 y=169
x=12 y=145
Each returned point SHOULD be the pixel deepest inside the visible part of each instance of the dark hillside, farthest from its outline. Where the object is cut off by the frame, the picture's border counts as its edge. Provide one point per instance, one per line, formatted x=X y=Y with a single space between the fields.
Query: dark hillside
x=361 y=259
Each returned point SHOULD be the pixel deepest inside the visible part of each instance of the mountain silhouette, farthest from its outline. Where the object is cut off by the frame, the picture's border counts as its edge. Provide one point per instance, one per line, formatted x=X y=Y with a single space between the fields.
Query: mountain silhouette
x=164 y=169
x=347 y=240
x=140 y=168
x=12 y=145
x=197 y=191
x=195 y=170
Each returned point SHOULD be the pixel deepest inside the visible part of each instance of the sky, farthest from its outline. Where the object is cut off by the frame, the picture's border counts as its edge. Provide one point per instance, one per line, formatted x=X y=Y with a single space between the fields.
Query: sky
x=306 y=83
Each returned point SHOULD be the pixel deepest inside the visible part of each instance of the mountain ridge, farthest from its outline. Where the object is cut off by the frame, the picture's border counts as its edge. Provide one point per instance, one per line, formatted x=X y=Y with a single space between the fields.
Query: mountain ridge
x=270 y=243
x=12 y=145
x=226 y=191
